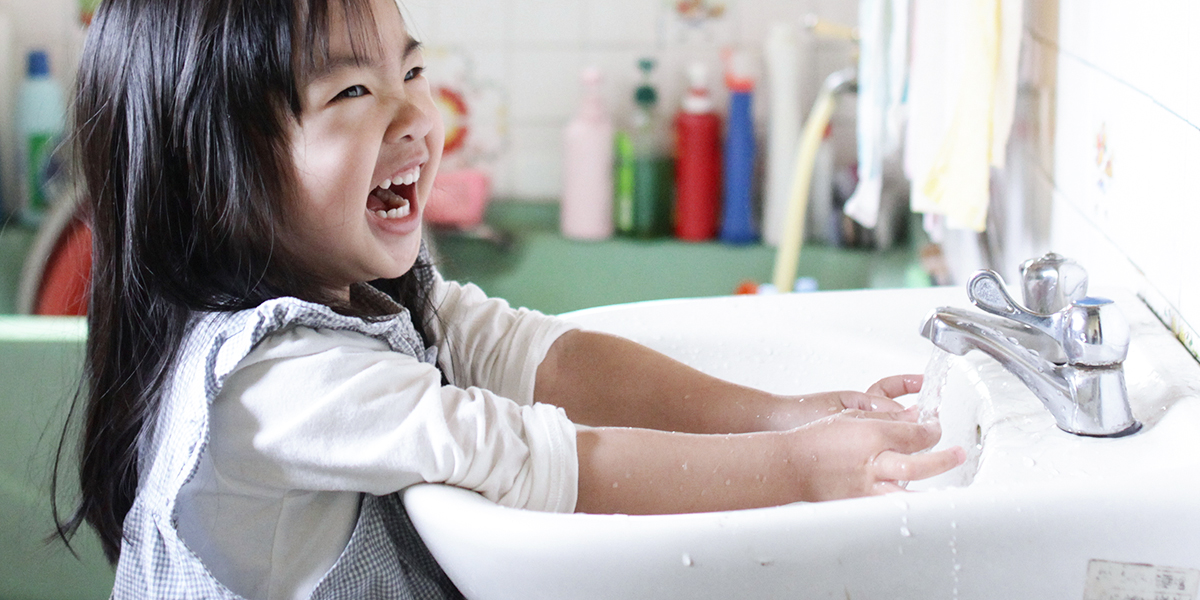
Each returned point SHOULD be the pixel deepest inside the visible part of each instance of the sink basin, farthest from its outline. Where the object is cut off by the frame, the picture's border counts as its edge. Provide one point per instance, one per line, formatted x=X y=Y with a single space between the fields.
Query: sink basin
x=1037 y=513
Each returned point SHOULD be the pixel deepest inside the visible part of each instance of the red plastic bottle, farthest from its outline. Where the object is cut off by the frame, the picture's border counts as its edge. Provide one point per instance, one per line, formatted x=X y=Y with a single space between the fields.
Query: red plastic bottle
x=697 y=162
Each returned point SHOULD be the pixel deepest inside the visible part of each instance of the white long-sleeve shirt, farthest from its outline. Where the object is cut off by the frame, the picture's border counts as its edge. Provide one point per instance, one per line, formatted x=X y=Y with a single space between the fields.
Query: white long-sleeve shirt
x=311 y=418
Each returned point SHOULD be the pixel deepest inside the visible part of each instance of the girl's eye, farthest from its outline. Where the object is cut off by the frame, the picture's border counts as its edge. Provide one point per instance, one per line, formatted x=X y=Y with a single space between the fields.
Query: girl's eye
x=413 y=74
x=353 y=91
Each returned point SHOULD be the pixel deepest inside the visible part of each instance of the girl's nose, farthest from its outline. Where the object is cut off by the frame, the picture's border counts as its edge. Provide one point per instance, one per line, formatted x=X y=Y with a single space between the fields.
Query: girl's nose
x=411 y=120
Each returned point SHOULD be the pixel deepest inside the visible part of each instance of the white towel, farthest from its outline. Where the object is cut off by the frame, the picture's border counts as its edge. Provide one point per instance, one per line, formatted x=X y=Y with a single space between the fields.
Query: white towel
x=932 y=74
x=882 y=81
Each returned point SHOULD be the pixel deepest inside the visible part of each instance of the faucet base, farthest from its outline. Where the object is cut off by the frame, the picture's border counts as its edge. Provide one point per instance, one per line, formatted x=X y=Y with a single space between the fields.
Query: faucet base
x=1132 y=429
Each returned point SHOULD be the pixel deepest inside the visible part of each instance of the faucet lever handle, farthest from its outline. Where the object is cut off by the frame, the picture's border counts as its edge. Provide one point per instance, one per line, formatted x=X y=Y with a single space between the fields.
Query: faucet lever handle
x=986 y=289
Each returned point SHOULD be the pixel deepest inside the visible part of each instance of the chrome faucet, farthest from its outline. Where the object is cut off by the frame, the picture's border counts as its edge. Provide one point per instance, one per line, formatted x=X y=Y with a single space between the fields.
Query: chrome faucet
x=1069 y=350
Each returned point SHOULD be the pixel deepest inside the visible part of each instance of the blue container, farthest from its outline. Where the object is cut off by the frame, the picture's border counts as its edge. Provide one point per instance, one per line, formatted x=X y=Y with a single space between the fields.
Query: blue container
x=737 y=212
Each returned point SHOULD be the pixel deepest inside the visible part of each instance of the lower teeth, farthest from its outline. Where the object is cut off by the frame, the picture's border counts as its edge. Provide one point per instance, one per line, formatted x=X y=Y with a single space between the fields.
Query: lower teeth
x=395 y=213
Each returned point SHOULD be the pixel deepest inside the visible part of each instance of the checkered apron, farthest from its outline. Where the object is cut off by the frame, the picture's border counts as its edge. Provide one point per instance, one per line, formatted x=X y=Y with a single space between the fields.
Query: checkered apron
x=385 y=558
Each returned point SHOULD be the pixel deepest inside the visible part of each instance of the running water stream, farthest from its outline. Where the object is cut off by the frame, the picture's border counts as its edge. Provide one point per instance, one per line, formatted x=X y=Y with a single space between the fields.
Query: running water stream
x=952 y=397
x=930 y=398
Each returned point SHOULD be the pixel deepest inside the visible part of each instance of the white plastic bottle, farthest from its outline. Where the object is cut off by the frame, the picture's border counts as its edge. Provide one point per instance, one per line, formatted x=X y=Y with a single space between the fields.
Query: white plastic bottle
x=40 y=120
x=782 y=57
x=587 y=209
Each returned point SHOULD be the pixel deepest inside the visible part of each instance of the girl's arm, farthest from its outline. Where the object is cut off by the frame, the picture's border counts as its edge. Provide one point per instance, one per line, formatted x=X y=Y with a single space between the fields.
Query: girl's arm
x=647 y=453
x=604 y=380
x=852 y=454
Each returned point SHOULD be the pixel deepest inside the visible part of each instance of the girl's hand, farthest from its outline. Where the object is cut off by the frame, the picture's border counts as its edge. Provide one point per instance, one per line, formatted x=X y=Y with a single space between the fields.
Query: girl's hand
x=879 y=398
x=859 y=453
x=853 y=453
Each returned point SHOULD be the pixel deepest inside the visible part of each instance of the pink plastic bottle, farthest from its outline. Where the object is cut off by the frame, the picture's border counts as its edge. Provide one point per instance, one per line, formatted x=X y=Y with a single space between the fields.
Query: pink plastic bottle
x=588 y=167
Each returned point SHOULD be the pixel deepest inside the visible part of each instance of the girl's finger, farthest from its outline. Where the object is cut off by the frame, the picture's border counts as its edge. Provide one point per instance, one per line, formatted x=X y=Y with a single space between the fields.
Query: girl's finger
x=871 y=402
x=897 y=385
x=894 y=466
x=886 y=487
x=903 y=416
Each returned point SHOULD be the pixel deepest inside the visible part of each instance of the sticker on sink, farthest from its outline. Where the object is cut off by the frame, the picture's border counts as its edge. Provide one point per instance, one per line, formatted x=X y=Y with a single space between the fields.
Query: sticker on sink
x=1107 y=580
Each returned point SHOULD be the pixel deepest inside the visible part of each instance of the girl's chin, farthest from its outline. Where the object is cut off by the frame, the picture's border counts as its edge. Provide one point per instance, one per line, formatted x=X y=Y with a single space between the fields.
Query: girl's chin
x=404 y=259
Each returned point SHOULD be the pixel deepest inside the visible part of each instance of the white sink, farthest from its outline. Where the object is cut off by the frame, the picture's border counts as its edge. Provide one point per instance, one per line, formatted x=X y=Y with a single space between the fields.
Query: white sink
x=1039 y=514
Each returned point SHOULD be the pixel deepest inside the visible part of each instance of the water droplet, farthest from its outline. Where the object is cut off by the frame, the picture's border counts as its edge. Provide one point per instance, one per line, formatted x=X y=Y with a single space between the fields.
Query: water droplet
x=687 y=560
x=727 y=482
x=904 y=531
x=615 y=484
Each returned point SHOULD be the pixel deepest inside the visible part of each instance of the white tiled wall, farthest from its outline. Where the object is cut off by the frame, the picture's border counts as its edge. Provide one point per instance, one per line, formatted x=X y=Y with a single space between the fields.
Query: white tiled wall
x=1131 y=73
x=535 y=50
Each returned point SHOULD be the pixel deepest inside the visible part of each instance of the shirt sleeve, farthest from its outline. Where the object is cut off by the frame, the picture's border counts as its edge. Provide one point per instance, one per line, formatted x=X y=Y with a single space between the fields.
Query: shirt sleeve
x=333 y=410
x=485 y=342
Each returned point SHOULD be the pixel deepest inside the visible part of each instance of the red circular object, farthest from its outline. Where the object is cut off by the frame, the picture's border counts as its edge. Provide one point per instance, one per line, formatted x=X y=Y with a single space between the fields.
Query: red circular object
x=456 y=134
x=66 y=279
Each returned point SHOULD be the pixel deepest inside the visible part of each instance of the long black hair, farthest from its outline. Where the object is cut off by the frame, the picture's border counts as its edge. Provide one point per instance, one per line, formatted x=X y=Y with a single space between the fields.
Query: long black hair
x=181 y=116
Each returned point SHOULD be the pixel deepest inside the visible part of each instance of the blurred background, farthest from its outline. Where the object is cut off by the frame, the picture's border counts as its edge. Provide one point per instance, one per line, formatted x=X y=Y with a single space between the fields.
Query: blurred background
x=607 y=151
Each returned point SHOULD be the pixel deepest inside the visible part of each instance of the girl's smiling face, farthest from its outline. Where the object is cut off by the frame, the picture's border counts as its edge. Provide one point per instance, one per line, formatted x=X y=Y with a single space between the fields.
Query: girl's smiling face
x=366 y=148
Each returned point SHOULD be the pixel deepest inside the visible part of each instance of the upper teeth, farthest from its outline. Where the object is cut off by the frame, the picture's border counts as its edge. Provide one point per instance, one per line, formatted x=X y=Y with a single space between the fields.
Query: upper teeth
x=408 y=178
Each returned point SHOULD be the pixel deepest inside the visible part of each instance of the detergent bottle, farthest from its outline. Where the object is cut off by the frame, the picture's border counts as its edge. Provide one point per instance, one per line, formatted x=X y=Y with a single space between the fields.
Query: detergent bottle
x=697 y=161
x=649 y=212
x=737 y=215
x=587 y=201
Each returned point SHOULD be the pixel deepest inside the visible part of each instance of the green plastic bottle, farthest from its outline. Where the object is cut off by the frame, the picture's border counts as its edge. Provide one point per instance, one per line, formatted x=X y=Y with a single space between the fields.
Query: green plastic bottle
x=645 y=172
x=623 y=184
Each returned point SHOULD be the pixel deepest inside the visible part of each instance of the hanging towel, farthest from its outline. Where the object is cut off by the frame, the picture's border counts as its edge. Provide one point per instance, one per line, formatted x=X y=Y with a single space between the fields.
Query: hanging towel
x=882 y=81
x=1005 y=96
x=933 y=69
x=986 y=34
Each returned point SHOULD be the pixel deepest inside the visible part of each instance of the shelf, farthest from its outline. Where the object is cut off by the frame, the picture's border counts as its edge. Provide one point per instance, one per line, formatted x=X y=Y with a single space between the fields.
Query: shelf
x=538 y=268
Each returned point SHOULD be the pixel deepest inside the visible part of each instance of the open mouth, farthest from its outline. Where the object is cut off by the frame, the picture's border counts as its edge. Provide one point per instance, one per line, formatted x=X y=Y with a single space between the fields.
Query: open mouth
x=394 y=198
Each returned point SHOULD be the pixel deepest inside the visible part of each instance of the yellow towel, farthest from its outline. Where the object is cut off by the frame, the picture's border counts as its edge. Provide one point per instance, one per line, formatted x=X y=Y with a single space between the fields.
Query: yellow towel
x=957 y=185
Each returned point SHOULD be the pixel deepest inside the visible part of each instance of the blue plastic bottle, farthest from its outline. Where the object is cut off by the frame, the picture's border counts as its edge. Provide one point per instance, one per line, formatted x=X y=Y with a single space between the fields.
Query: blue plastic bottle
x=737 y=211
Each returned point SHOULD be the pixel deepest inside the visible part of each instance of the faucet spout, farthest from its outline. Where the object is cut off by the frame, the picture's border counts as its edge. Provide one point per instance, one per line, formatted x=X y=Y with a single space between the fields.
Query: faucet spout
x=1089 y=401
x=1072 y=359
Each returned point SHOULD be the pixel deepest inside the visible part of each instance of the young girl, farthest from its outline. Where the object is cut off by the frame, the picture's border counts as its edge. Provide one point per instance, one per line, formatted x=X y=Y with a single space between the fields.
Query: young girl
x=272 y=357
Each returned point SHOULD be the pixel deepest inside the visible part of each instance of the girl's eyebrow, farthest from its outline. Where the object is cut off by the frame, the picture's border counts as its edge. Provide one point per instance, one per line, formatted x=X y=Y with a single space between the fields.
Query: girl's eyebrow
x=333 y=64
x=336 y=63
x=411 y=46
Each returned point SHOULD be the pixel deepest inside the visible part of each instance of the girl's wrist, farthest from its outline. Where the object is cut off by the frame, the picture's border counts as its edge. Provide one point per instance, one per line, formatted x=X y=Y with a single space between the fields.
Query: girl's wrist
x=790 y=412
